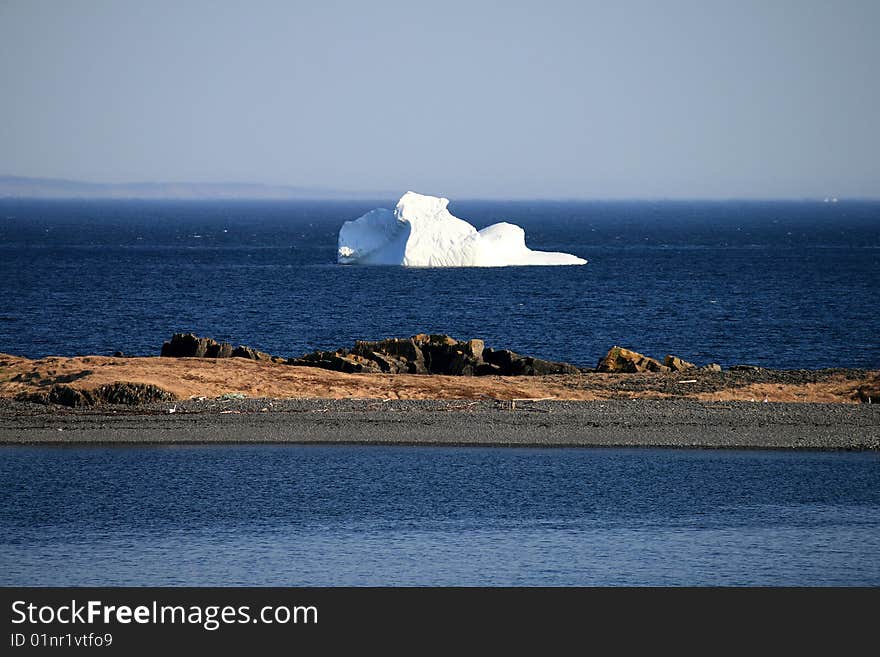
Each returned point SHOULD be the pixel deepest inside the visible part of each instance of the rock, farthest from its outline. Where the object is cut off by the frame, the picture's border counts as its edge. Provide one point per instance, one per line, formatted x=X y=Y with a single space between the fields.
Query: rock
x=338 y=361
x=431 y=354
x=538 y=367
x=677 y=364
x=619 y=359
x=186 y=345
x=487 y=369
x=64 y=395
x=501 y=358
x=215 y=350
x=120 y=392
x=448 y=356
x=132 y=394
x=475 y=348
x=118 y=354
x=714 y=368
x=354 y=363
x=241 y=351
x=434 y=339
x=189 y=345
x=423 y=354
x=403 y=351
x=510 y=363
x=388 y=364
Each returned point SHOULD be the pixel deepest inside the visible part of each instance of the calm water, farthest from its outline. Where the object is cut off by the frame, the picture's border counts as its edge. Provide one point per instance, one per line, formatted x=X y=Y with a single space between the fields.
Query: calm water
x=298 y=515
x=778 y=284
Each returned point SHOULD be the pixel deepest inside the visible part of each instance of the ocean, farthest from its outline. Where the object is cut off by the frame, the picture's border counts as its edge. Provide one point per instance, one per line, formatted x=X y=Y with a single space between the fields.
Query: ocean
x=777 y=284
x=332 y=515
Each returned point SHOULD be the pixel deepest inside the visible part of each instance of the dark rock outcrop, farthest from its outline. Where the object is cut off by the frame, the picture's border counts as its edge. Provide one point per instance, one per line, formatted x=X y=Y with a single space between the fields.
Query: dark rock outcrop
x=65 y=395
x=428 y=354
x=445 y=355
x=511 y=363
x=431 y=354
x=250 y=353
x=393 y=355
x=338 y=361
x=189 y=345
x=120 y=392
x=218 y=350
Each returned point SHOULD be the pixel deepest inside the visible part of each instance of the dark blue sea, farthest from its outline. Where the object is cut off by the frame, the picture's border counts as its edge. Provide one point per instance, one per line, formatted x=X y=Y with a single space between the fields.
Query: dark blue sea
x=332 y=515
x=778 y=284
x=786 y=285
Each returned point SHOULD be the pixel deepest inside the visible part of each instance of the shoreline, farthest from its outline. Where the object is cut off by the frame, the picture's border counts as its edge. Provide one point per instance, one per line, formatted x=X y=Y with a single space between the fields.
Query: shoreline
x=663 y=423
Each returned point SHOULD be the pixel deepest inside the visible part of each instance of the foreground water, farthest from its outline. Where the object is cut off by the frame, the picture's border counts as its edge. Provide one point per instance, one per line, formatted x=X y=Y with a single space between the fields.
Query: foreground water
x=778 y=284
x=332 y=515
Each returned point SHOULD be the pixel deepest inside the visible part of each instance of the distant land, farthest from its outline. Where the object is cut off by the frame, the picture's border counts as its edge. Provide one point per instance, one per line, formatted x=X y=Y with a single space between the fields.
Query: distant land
x=59 y=188
x=54 y=188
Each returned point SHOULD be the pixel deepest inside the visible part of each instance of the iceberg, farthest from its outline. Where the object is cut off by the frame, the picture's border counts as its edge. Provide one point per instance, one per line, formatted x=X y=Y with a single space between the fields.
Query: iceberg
x=421 y=232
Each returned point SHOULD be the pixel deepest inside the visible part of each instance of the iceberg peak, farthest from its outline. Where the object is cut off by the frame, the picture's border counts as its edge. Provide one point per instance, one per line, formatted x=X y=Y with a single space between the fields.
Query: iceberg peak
x=413 y=203
x=421 y=232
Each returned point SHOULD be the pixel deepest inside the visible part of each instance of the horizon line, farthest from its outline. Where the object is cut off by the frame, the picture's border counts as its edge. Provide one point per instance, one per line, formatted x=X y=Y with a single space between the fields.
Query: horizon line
x=324 y=193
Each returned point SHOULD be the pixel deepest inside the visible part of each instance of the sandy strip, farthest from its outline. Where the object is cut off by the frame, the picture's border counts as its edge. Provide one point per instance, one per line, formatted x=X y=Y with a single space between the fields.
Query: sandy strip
x=643 y=423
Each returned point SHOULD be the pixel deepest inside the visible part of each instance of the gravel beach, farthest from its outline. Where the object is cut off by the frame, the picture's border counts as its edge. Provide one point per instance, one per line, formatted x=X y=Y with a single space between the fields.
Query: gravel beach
x=633 y=423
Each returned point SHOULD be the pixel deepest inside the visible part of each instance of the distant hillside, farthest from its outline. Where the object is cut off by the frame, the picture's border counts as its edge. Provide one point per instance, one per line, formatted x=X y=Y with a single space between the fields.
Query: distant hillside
x=20 y=187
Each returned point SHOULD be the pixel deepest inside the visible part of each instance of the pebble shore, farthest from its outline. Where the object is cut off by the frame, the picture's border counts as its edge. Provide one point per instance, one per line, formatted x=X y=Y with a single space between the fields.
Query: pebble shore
x=674 y=423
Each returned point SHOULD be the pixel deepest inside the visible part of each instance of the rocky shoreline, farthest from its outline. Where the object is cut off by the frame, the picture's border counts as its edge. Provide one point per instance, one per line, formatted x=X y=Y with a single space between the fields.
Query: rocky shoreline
x=429 y=390
x=679 y=423
x=422 y=366
x=430 y=354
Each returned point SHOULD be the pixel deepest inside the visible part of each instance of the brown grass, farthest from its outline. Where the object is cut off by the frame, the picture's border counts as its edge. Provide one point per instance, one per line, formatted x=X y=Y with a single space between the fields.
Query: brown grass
x=193 y=377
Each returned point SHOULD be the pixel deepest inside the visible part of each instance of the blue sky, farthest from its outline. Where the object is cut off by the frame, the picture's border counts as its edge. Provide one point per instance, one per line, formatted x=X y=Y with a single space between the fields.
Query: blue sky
x=462 y=99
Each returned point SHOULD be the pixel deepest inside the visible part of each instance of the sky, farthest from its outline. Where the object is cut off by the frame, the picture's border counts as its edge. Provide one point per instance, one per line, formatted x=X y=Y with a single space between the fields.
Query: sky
x=474 y=99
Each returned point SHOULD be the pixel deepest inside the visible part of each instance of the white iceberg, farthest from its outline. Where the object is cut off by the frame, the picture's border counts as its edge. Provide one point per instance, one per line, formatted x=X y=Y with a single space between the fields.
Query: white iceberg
x=421 y=232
